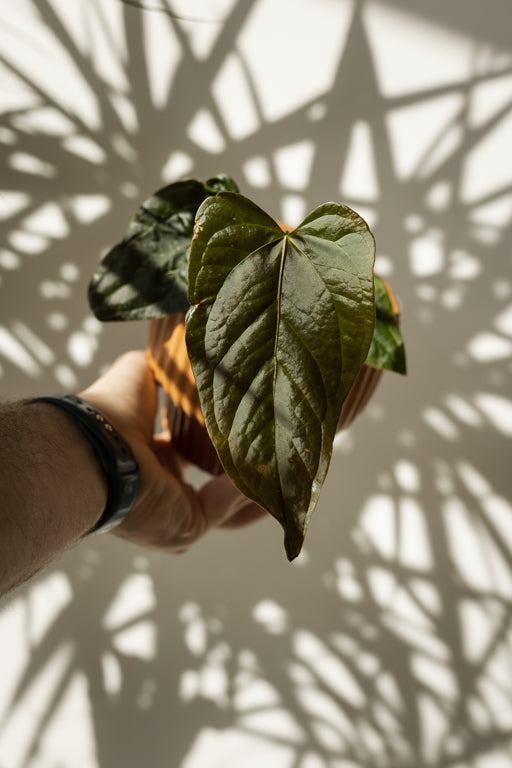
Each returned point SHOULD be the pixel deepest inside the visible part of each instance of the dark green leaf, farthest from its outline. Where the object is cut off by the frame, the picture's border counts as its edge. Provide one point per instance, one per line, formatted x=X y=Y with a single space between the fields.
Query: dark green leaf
x=221 y=183
x=145 y=275
x=280 y=328
x=387 y=350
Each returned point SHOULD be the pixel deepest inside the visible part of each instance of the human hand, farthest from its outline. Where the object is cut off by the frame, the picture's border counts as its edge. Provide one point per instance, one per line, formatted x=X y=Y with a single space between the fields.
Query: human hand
x=168 y=514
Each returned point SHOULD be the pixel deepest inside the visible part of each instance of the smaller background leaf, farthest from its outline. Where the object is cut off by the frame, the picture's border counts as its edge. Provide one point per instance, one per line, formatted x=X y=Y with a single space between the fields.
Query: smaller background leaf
x=145 y=275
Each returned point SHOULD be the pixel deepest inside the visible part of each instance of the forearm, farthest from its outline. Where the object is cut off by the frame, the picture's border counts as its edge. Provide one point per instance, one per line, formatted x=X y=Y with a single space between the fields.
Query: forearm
x=52 y=486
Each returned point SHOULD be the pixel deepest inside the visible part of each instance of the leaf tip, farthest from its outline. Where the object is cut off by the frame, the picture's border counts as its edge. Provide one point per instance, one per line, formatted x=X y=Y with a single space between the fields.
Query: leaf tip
x=293 y=541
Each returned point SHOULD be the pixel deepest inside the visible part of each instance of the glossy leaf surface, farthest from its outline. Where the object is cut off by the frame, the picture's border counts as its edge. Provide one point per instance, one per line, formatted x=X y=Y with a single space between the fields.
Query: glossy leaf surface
x=280 y=326
x=387 y=350
x=145 y=275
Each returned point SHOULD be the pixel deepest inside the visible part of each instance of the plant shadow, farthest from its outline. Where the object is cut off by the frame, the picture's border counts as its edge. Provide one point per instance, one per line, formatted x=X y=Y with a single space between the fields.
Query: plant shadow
x=388 y=642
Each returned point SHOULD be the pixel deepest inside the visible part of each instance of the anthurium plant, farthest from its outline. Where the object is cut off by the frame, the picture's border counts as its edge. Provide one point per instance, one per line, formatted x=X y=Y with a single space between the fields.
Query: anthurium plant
x=278 y=325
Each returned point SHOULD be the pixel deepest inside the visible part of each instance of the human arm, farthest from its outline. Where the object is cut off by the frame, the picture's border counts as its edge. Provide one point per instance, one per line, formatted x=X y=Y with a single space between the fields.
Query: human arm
x=51 y=485
x=54 y=490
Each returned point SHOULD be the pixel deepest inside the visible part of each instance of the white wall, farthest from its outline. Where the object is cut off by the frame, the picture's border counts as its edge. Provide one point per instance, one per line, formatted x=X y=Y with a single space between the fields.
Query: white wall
x=388 y=643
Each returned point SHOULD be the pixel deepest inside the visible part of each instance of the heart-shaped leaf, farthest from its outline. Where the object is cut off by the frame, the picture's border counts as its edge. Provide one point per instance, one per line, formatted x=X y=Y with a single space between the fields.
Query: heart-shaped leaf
x=280 y=326
x=145 y=275
x=387 y=350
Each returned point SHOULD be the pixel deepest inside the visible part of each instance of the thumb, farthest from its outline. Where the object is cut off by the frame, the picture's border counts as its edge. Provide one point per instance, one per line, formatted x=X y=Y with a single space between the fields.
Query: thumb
x=127 y=393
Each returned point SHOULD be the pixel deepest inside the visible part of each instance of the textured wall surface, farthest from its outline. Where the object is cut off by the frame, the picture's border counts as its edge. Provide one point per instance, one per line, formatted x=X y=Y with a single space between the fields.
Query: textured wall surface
x=388 y=642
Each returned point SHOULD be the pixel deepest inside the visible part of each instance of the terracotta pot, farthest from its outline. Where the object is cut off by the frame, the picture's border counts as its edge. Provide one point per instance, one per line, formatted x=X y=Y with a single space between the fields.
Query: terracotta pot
x=182 y=416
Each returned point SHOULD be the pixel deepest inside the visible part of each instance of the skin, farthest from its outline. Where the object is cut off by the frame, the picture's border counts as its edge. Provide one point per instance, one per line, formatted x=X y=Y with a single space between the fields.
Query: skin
x=54 y=489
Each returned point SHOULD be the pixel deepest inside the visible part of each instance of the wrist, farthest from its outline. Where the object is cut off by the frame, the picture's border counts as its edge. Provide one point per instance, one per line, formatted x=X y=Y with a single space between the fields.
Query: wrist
x=113 y=454
x=73 y=477
x=53 y=490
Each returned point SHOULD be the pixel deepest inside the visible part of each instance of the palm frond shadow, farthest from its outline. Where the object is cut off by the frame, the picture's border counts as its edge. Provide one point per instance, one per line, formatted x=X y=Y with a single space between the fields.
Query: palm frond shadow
x=382 y=650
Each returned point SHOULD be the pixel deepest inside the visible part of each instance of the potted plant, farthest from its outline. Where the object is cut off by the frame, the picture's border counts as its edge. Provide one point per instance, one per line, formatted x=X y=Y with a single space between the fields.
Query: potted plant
x=286 y=333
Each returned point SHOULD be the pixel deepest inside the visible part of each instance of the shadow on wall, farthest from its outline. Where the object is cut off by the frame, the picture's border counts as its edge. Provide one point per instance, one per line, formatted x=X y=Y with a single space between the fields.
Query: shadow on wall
x=389 y=642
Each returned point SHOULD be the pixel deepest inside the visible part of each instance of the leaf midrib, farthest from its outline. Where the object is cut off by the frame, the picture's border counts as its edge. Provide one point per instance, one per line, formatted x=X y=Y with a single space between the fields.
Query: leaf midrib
x=276 y=343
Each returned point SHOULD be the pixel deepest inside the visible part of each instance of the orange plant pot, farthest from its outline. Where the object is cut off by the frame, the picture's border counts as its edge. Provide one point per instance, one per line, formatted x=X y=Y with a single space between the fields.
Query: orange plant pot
x=182 y=416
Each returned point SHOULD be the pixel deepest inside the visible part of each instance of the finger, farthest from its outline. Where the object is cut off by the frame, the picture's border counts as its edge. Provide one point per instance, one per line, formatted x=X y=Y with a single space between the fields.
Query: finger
x=170 y=459
x=171 y=516
x=223 y=504
x=247 y=515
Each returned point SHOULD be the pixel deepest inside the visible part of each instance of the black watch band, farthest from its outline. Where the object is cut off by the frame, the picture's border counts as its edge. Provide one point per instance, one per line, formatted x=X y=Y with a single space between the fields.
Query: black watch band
x=114 y=454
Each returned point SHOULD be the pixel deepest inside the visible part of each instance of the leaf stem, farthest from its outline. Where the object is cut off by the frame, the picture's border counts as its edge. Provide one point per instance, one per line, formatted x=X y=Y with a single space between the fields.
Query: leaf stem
x=278 y=317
